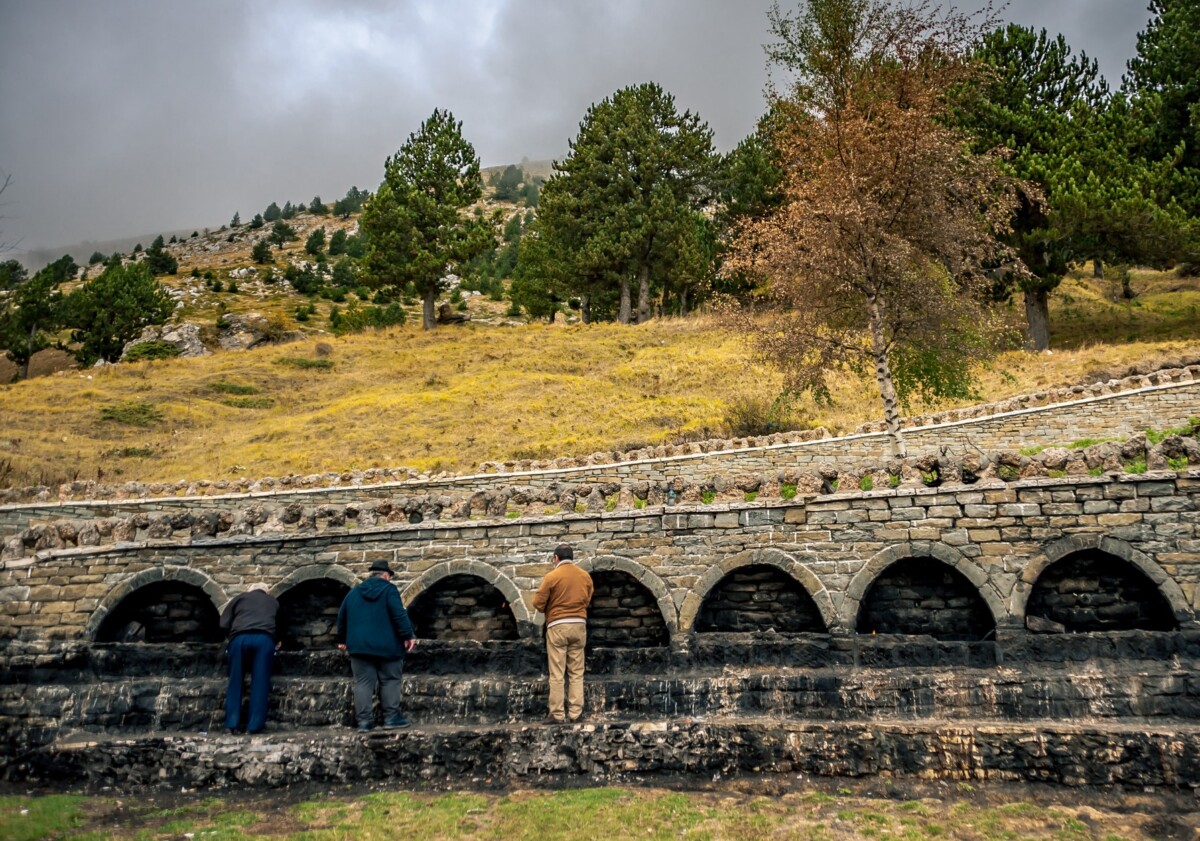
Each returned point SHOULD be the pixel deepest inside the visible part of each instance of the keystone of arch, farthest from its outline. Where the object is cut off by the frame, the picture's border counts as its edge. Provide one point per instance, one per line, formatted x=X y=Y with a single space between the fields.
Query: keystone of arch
x=806 y=578
x=478 y=569
x=1072 y=543
x=948 y=555
x=187 y=575
x=309 y=572
x=643 y=575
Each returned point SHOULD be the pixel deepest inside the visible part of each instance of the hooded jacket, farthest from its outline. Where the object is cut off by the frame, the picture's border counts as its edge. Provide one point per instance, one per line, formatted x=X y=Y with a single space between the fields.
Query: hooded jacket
x=372 y=621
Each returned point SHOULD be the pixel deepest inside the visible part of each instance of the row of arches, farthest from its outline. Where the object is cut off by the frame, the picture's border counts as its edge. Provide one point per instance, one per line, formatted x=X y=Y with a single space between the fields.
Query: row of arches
x=1086 y=590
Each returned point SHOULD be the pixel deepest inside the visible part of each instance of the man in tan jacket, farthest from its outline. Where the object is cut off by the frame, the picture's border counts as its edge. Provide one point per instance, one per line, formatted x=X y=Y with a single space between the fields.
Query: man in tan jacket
x=564 y=596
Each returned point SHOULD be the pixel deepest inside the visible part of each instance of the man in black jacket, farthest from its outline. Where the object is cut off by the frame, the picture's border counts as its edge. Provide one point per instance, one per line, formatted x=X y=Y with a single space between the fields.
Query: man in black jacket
x=374 y=628
x=250 y=620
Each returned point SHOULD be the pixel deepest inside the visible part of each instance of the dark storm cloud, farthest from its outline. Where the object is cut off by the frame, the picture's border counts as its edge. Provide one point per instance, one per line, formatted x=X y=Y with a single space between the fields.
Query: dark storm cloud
x=129 y=117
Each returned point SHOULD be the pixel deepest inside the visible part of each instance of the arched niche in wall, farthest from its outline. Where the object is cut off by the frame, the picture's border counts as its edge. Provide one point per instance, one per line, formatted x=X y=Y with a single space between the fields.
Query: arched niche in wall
x=161 y=611
x=463 y=606
x=758 y=597
x=924 y=596
x=308 y=614
x=624 y=612
x=1092 y=590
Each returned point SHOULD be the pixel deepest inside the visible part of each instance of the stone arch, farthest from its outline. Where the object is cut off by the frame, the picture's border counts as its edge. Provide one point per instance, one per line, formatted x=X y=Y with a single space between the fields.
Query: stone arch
x=310 y=571
x=1054 y=552
x=644 y=576
x=309 y=598
x=488 y=573
x=948 y=555
x=154 y=575
x=806 y=578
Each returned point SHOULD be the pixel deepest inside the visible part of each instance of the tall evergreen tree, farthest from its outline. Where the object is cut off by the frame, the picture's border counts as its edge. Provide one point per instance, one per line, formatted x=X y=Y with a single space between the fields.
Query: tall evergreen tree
x=34 y=310
x=111 y=310
x=159 y=260
x=416 y=227
x=633 y=188
x=1096 y=198
x=1040 y=102
x=1163 y=82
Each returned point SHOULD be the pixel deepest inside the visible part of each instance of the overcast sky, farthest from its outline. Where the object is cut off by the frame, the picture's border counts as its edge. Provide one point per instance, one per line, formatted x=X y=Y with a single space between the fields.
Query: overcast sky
x=130 y=117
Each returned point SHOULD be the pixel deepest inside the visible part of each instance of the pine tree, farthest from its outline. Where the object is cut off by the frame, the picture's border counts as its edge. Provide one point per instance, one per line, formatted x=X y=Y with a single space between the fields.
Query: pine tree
x=113 y=308
x=33 y=310
x=629 y=199
x=236 y=220
x=415 y=225
x=159 y=260
x=1073 y=143
x=261 y=253
x=315 y=244
x=1163 y=83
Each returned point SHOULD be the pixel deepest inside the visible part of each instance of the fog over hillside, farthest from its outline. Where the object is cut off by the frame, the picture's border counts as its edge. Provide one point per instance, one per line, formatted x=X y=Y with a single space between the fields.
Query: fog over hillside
x=168 y=117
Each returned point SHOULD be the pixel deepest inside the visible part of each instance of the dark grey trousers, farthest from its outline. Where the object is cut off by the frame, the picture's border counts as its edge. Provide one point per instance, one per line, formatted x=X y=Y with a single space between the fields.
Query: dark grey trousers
x=369 y=672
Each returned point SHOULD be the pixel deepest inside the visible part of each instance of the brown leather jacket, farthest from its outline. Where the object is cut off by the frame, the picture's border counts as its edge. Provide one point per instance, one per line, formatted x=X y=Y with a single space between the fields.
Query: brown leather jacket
x=564 y=593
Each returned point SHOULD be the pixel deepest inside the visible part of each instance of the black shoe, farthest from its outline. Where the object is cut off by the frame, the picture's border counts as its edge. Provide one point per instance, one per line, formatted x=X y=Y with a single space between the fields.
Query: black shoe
x=365 y=728
x=396 y=723
x=552 y=720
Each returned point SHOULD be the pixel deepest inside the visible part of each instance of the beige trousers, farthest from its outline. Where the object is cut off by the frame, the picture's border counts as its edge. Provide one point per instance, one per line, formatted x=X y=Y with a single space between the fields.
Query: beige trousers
x=564 y=648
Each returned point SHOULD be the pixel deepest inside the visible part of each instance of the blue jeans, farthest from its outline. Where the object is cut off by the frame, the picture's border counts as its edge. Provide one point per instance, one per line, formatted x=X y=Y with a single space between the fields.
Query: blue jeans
x=254 y=651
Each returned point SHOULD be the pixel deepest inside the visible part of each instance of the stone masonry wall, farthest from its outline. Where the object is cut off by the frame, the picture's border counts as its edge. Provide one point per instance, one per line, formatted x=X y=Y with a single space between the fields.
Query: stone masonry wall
x=623 y=613
x=463 y=607
x=1000 y=536
x=1091 y=592
x=919 y=596
x=758 y=598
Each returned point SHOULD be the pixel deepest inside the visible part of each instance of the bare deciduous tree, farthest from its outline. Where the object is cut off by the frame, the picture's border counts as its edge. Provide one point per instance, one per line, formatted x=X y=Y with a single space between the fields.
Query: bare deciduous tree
x=875 y=261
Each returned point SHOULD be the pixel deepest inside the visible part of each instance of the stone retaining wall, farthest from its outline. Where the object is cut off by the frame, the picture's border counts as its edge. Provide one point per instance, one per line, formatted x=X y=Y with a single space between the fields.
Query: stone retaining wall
x=1001 y=537
x=1138 y=756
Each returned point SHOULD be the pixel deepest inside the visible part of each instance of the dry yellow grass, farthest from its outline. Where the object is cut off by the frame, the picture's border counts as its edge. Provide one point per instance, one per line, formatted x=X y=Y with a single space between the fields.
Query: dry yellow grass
x=447 y=399
x=451 y=398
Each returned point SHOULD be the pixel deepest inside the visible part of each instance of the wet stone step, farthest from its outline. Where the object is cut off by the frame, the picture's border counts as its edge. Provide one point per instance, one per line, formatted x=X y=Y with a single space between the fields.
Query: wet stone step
x=31 y=715
x=1128 y=753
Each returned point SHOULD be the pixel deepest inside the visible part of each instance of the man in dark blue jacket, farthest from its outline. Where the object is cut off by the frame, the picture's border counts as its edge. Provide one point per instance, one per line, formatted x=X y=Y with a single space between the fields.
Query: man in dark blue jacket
x=374 y=628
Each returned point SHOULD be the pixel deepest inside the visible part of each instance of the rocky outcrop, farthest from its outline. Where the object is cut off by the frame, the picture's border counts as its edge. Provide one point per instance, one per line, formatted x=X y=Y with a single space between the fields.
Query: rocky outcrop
x=185 y=336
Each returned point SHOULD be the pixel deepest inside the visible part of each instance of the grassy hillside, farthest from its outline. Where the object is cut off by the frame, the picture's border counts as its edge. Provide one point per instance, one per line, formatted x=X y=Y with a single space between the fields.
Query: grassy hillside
x=450 y=398
x=494 y=389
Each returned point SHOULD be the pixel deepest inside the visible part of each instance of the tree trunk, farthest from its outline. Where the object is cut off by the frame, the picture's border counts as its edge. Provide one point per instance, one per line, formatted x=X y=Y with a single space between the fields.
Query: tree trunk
x=683 y=301
x=883 y=377
x=1037 y=313
x=429 y=318
x=643 y=314
x=28 y=353
x=585 y=308
x=1098 y=269
x=625 y=314
x=553 y=312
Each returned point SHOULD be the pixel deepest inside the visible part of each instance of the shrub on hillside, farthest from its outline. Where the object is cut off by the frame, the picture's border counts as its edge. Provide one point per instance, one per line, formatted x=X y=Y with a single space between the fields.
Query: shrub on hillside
x=151 y=350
